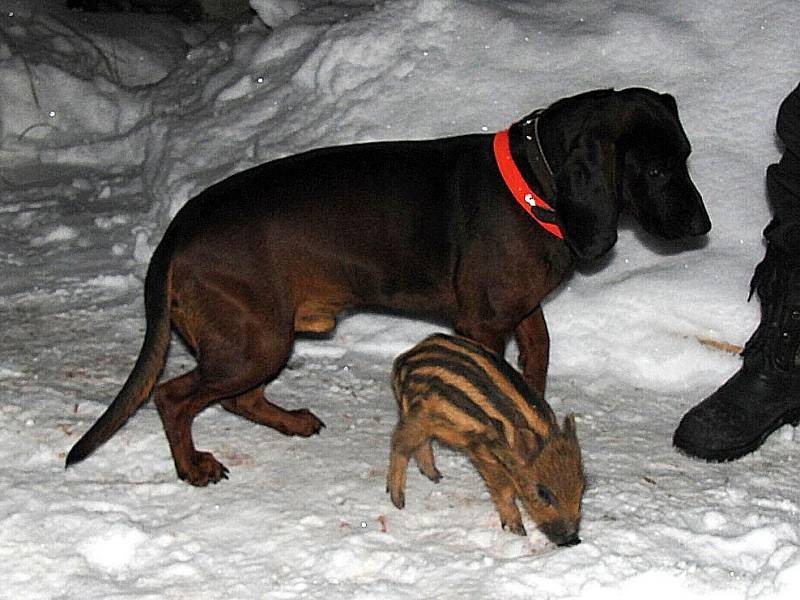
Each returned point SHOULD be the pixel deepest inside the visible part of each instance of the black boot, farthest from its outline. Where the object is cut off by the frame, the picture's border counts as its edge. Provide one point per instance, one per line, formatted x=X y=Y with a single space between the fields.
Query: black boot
x=765 y=393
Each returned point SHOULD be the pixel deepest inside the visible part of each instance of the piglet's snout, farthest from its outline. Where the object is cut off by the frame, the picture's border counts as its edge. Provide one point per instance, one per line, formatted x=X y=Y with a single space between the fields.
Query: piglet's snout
x=573 y=540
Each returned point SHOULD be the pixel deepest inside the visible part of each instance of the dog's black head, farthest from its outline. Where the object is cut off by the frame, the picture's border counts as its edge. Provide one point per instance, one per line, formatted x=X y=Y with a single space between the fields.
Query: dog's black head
x=613 y=150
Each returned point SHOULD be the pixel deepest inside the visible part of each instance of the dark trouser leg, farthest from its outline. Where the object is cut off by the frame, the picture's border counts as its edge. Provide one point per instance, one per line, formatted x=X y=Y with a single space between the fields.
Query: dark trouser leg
x=765 y=393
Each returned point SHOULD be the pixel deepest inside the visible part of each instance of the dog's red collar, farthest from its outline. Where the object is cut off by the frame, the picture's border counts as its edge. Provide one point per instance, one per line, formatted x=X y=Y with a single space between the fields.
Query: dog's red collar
x=522 y=192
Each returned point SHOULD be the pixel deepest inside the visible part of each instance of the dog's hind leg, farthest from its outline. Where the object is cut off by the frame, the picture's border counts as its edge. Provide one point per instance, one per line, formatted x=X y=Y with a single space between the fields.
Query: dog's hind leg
x=181 y=399
x=254 y=406
x=178 y=401
x=239 y=347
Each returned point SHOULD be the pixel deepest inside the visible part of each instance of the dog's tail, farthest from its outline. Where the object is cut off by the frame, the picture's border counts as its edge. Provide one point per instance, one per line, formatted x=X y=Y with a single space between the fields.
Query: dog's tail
x=152 y=356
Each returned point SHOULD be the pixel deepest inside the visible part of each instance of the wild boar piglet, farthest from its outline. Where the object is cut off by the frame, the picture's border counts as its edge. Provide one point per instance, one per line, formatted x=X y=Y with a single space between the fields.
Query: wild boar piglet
x=456 y=391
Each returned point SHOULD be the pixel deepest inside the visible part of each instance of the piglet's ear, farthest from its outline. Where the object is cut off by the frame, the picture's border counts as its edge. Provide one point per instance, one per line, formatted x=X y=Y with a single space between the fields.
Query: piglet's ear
x=586 y=200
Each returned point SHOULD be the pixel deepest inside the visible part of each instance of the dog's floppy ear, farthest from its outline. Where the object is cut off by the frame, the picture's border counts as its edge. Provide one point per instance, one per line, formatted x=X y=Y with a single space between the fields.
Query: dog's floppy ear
x=587 y=204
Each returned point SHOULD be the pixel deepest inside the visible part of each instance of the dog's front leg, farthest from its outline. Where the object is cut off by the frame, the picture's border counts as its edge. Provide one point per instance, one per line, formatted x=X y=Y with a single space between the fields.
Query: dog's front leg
x=534 y=349
x=489 y=336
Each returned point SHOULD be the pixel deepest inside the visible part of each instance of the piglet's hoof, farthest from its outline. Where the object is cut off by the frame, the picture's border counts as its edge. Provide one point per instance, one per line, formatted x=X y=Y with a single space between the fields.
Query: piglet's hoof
x=205 y=469
x=516 y=528
x=433 y=474
x=398 y=497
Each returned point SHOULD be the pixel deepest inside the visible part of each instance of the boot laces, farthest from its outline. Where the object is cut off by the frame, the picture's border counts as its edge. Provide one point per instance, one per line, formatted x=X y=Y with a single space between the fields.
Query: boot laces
x=776 y=340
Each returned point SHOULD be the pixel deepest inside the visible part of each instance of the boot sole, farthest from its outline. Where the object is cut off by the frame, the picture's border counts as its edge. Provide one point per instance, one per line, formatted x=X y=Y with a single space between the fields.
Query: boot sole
x=728 y=454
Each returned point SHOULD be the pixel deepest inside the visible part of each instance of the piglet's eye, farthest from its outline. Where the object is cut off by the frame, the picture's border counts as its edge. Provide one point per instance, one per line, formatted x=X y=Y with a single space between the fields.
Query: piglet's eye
x=545 y=495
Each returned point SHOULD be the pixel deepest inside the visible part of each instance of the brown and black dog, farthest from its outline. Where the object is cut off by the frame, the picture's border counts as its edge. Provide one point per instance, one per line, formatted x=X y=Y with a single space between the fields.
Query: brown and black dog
x=423 y=227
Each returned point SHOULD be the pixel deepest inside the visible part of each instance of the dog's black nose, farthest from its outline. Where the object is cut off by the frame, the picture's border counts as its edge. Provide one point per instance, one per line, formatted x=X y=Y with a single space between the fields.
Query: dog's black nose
x=700 y=224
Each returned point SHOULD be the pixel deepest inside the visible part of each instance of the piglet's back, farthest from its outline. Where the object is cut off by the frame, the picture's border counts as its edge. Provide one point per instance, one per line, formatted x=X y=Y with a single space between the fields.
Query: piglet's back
x=472 y=378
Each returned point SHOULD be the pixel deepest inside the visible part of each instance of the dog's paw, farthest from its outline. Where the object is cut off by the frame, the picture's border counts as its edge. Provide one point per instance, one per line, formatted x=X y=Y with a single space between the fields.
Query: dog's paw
x=205 y=469
x=304 y=423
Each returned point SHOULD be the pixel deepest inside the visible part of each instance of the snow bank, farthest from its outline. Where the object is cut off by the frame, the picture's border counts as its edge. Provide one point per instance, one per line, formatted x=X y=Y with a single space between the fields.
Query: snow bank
x=68 y=79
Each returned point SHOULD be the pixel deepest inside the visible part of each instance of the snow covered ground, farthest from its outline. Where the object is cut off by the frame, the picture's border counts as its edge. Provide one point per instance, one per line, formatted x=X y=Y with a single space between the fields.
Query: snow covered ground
x=108 y=124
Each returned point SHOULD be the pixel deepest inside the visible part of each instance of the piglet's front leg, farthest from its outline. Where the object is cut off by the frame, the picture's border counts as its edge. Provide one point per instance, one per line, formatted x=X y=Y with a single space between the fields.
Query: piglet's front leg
x=534 y=349
x=501 y=489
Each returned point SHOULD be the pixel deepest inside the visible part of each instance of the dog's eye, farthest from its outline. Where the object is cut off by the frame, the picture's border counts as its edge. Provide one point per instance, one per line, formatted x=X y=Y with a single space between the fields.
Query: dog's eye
x=660 y=167
x=545 y=495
